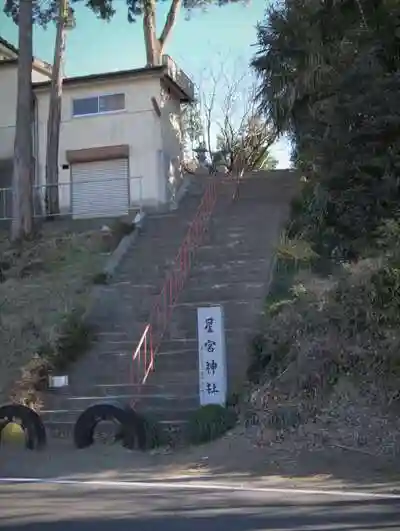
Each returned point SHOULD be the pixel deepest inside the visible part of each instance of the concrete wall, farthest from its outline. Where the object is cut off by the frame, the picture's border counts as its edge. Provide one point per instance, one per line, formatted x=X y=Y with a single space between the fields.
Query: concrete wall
x=137 y=125
x=171 y=127
x=8 y=106
x=38 y=76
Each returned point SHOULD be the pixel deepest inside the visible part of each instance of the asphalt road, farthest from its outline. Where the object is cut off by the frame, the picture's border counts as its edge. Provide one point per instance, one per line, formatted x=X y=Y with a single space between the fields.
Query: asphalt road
x=33 y=507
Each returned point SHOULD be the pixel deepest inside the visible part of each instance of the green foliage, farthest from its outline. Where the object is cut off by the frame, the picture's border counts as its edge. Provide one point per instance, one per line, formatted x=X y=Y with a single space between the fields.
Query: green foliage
x=259 y=359
x=210 y=422
x=74 y=339
x=283 y=417
x=106 y=9
x=45 y=12
x=372 y=304
x=387 y=237
x=329 y=77
x=296 y=251
x=268 y=350
x=101 y=278
x=192 y=125
x=233 y=400
x=281 y=284
x=154 y=435
x=247 y=149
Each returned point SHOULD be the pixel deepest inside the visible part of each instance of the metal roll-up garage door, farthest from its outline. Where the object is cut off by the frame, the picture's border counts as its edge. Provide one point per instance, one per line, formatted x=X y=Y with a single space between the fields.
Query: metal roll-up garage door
x=100 y=189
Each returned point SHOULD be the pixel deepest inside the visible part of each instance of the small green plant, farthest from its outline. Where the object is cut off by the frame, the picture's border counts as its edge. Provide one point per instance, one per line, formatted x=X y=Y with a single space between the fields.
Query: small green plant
x=283 y=417
x=74 y=339
x=296 y=249
x=34 y=379
x=210 y=422
x=267 y=352
x=233 y=400
x=101 y=278
x=154 y=434
x=259 y=359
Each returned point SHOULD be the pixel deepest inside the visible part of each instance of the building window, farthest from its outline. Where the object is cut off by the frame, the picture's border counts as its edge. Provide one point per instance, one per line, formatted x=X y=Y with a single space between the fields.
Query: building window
x=98 y=104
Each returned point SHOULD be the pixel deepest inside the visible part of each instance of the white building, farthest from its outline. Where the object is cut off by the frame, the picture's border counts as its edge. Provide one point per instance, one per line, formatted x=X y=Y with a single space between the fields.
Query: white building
x=120 y=138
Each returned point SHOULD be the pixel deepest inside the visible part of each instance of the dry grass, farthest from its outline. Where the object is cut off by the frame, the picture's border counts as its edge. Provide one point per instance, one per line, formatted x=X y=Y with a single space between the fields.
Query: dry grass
x=43 y=282
x=332 y=362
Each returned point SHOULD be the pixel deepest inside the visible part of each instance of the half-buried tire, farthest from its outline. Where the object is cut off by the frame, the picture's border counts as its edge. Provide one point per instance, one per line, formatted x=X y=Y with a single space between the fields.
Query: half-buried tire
x=30 y=421
x=130 y=429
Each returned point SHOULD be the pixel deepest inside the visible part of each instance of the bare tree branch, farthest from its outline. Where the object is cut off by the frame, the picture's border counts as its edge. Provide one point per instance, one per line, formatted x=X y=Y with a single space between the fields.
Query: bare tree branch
x=230 y=111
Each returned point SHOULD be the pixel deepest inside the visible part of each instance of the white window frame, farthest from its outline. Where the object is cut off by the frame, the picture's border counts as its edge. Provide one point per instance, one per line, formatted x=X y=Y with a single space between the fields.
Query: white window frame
x=99 y=113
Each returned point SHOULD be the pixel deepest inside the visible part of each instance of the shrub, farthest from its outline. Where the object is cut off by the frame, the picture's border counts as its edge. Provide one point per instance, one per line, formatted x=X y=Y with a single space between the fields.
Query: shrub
x=73 y=339
x=154 y=434
x=101 y=278
x=210 y=422
x=369 y=298
x=259 y=359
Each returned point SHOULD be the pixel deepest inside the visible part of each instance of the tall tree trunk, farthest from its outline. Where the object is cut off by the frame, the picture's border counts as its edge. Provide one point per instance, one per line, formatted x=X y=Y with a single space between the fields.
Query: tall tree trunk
x=54 y=118
x=155 y=46
x=150 y=36
x=22 y=219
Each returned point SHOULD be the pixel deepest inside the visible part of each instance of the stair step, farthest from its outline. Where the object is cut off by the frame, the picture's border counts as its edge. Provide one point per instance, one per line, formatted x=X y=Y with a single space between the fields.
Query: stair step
x=166 y=390
x=227 y=265
x=125 y=394
x=129 y=326
x=106 y=431
x=126 y=349
x=157 y=413
x=164 y=375
x=238 y=314
x=176 y=368
x=122 y=362
x=219 y=256
x=64 y=429
x=218 y=293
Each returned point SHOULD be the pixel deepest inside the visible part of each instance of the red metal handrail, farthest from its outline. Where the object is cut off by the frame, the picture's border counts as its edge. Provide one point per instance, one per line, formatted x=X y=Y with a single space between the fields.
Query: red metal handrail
x=150 y=341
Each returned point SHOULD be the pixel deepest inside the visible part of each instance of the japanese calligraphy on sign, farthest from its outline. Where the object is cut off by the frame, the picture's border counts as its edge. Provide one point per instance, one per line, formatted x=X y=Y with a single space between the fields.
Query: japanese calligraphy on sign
x=212 y=357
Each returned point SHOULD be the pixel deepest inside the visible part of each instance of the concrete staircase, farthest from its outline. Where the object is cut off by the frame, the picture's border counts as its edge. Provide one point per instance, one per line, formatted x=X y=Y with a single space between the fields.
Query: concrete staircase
x=119 y=317
x=233 y=268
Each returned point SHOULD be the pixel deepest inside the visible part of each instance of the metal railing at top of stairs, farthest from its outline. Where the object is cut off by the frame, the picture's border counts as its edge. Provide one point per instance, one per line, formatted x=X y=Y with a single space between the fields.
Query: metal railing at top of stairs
x=144 y=355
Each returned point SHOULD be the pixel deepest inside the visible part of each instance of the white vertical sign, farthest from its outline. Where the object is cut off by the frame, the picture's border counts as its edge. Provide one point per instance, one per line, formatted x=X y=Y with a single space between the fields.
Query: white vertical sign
x=212 y=355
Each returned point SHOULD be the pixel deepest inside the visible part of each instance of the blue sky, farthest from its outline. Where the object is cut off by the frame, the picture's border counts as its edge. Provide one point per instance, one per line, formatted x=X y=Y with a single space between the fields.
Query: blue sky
x=96 y=46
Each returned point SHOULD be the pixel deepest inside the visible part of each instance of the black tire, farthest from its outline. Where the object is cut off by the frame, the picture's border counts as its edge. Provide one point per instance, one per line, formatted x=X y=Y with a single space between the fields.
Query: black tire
x=130 y=430
x=31 y=423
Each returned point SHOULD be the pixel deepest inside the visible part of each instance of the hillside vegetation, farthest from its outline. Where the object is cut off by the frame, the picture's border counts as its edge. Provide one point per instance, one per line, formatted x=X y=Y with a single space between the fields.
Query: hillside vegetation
x=327 y=366
x=46 y=288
